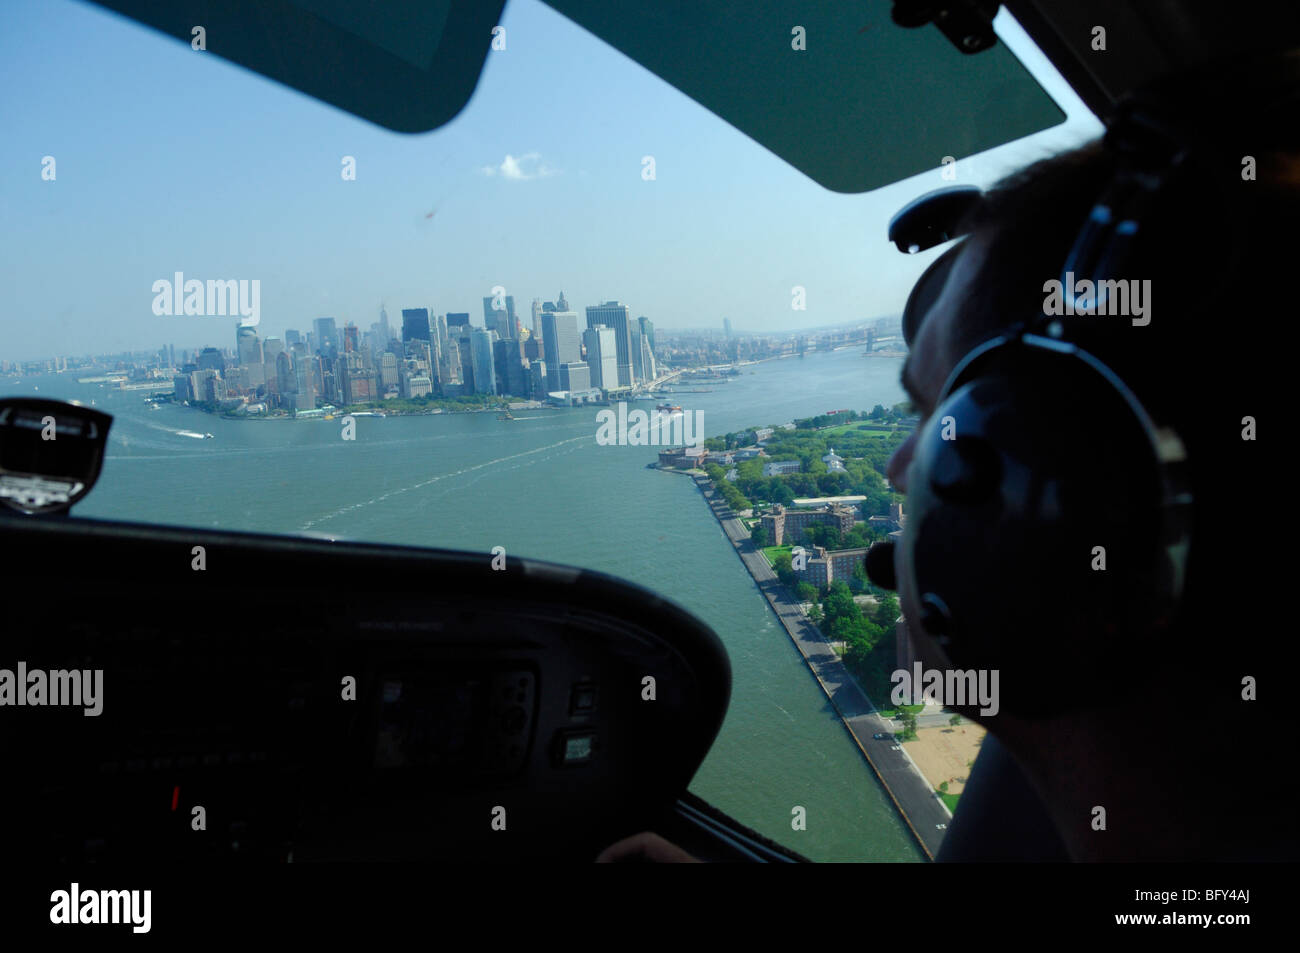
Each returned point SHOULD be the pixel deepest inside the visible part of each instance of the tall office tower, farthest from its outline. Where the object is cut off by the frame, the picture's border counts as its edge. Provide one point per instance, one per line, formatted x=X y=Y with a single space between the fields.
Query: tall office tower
x=511 y=369
x=501 y=321
x=385 y=331
x=454 y=375
x=485 y=377
x=210 y=359
x=726 y=326
x=171 y=353
x=327 y=335
x=533 y=347
x=537 y=316
x=291 y=338
x=387 y=371
x=286 y=382
x=537 y=379
x=457 y=319
x=439 y=328
x=415 y=324
x=601 y=356
x=647 y=331
x=561 y=304
x=463 y=332
x=560 y=340
x=351 y=338
x=615 y=315
x=305 y=383
x=271 y=349
x=634 y=349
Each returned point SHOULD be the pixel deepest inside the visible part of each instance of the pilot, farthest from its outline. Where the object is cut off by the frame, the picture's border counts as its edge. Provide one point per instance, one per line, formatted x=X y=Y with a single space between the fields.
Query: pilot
x=1131 y=728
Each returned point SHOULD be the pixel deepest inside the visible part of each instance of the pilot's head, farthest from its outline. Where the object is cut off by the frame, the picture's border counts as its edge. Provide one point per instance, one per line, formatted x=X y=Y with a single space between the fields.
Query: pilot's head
x=1209 y=254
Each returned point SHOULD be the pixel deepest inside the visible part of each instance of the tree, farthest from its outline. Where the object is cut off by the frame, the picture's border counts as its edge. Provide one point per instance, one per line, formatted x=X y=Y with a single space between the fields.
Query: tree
x=807 y=592
x=759 y=534
x=955 y=720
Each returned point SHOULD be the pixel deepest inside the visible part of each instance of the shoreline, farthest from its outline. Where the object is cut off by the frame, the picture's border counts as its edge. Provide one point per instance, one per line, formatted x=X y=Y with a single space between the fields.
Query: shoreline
x=917 y=802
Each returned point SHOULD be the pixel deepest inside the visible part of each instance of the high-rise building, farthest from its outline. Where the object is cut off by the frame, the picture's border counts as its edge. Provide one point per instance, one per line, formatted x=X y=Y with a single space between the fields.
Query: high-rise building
x=210 y=359
x=601 y=356
x=271 y=349
x=305 y=371
x=457 y=319
x=560 y=340
x=614 y=315
x=327 y=335
x=480 y=340
x=415 y=324
x=726 y=326
x=647 y=331
x=561 y=304
x=634 y=349
x=501 y=321
x=351 y=338
x=290 y=339
x=537 y=316
x=247 y=346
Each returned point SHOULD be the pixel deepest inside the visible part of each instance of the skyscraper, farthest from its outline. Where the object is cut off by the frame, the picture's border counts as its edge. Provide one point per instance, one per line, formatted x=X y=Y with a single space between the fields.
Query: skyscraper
x=726 y=326
x=501 y=321
x=247 y=346
x=537 y=316
x=560 y=342
x=601 y=356
x=614 y=315
x=480 y=344
x=457 y=319
x=415 y=324
x=327 y=335
x=647 y=331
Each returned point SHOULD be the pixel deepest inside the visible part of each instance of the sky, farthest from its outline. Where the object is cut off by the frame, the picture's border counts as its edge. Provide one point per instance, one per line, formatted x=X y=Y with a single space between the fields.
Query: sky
x=170 y=160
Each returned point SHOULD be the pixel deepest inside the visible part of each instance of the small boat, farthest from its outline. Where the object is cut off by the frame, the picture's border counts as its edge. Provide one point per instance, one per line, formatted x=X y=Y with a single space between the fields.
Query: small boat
x=505 y=415
x=208 y=436
x=669 y=408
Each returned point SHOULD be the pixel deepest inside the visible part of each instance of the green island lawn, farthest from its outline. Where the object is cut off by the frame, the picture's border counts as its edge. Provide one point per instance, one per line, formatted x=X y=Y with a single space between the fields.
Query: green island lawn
x=771 y=552
x=950 y=800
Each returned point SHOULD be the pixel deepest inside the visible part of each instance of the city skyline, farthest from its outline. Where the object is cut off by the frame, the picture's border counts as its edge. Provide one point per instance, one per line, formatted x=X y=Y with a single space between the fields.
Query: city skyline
x=514 y=192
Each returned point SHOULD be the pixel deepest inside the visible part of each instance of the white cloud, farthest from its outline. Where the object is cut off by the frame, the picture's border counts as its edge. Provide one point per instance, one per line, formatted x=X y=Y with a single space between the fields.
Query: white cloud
x=520 y=168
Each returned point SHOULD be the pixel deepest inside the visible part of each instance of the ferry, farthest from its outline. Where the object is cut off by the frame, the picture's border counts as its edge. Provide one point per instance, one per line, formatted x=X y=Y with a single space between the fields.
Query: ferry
x=669 y=408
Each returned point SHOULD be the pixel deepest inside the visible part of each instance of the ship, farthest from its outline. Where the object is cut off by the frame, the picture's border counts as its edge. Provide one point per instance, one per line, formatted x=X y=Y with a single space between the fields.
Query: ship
x=505 y=415
x=669 y=408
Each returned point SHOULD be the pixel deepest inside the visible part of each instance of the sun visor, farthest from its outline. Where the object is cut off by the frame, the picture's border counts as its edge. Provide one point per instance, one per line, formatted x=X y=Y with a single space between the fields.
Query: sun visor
x=839 y=90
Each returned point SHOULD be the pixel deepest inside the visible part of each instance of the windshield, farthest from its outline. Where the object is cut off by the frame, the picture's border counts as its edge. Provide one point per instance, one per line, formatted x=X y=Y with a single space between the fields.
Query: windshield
x=303 y=323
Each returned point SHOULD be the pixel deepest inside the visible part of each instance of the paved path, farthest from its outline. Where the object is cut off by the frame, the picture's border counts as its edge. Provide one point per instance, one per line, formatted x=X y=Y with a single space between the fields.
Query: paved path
x=921 y=808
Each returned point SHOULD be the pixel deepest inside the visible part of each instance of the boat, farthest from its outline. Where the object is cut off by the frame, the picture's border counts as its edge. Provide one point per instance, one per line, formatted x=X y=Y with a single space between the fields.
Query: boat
x=208 y=436
x=669 y=408
x=505 y=415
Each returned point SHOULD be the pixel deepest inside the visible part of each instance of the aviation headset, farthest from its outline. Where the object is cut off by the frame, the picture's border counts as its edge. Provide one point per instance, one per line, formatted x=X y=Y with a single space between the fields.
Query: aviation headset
x=1049 y=508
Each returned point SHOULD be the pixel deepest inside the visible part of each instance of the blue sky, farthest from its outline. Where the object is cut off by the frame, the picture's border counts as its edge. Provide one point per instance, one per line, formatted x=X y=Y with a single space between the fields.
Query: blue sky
x=171 y=160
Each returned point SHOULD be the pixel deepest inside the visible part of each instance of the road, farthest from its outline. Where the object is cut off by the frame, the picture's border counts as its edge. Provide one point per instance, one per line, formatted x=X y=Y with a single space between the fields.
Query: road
x=917 y=802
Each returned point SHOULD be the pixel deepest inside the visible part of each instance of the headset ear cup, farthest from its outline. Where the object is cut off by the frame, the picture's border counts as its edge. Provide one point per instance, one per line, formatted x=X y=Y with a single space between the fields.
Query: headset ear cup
x=1033 y=526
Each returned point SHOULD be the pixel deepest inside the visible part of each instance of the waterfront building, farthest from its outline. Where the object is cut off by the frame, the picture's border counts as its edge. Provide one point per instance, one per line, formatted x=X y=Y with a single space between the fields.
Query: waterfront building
x=782 y=524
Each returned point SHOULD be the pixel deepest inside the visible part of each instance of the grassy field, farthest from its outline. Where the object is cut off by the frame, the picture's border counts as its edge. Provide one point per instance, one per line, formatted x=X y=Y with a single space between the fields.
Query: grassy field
x=770 y=552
